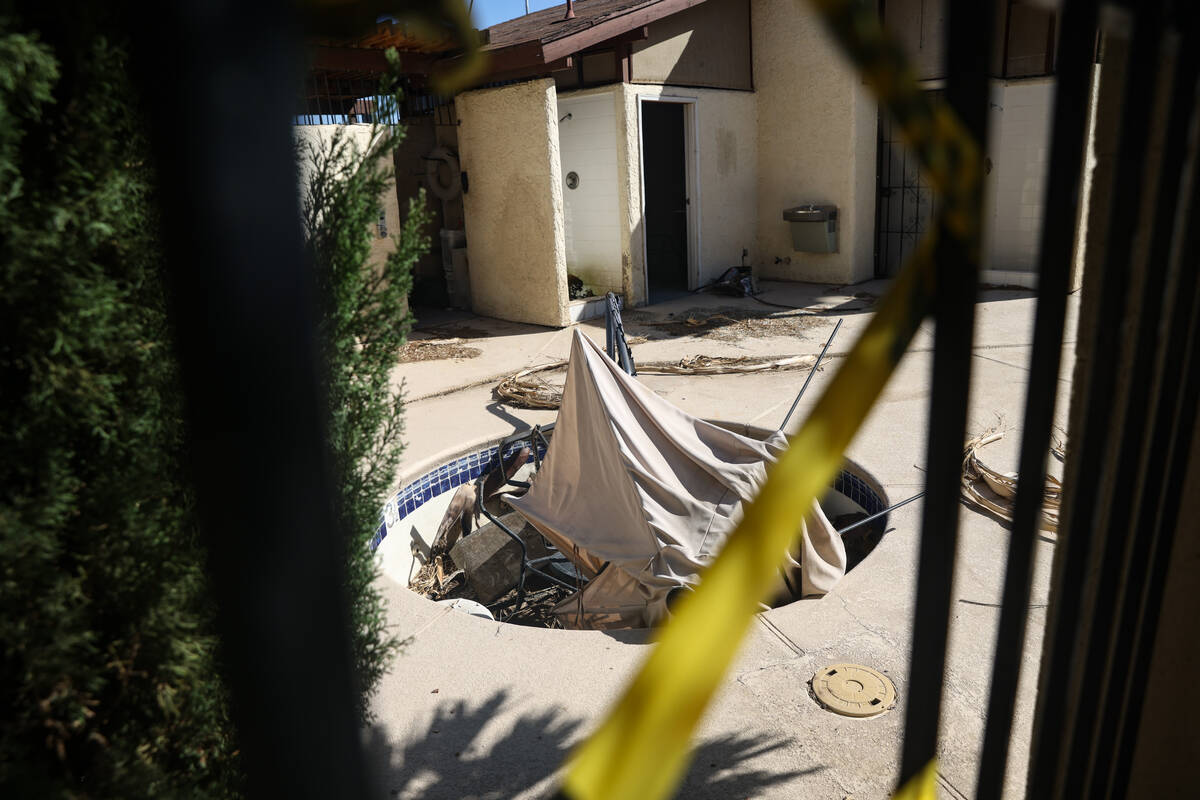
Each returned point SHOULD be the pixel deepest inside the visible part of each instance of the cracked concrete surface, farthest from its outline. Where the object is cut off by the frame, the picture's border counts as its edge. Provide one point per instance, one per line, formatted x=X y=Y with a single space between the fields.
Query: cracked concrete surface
x=479 y=709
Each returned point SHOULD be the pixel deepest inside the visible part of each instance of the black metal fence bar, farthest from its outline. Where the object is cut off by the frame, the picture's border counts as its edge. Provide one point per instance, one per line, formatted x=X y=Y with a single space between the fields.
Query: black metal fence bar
x=1165 y=528
x=263 y=475
x=244 y=314
x=1155 y=517
x=968 y=41
x=1126 y=552
x=354 y=98
x=1054 y=273
x=1062 y=659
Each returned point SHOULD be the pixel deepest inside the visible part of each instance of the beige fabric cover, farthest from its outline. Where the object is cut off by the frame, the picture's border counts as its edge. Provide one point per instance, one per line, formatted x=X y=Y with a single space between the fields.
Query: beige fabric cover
x=641 y=495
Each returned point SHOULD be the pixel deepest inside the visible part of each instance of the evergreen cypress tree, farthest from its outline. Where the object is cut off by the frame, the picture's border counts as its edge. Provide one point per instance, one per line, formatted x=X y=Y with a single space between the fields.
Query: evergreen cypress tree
x=109 y=674
x=365 y=322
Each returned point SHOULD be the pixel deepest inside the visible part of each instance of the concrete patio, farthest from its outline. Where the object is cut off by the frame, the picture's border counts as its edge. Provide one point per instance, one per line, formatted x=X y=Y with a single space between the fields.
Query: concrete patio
x=473 y=708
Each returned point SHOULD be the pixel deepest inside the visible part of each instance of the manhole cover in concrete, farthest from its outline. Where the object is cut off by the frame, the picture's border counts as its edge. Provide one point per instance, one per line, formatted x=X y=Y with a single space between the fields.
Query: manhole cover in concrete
x=853 y=690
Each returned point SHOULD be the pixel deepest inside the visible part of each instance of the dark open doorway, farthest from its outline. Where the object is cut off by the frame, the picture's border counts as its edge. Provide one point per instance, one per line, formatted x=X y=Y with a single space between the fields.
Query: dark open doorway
x=664 y=175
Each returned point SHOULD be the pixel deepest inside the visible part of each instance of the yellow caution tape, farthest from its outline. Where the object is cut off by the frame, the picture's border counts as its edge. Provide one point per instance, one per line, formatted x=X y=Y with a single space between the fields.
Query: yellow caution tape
x=922 y=786
x=947 y=152
x=641 y=749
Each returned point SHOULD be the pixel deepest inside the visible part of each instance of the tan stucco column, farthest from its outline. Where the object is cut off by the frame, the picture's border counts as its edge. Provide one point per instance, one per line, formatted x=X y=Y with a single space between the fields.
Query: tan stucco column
x=319 y=138
x=508 y=148
x=817 y=129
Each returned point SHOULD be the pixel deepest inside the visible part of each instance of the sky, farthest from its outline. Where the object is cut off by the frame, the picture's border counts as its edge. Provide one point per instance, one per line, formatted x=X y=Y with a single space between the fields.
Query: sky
x=486 y=13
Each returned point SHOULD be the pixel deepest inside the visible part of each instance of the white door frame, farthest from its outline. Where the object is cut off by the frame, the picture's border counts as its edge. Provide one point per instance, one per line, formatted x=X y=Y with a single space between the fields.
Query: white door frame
x=691 y=158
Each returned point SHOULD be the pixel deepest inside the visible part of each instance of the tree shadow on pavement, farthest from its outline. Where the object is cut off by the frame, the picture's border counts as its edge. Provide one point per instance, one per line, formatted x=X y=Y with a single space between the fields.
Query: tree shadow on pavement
x=453 y=759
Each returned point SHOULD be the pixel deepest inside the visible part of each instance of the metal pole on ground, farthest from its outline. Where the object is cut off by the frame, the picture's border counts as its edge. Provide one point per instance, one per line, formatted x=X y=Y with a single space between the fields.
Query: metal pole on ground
x=811 y=372
x=882 y=513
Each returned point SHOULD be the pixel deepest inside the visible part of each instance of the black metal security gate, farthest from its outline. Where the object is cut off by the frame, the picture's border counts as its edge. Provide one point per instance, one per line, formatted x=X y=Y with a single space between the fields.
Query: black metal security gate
x=263 y=477
x=905 y=204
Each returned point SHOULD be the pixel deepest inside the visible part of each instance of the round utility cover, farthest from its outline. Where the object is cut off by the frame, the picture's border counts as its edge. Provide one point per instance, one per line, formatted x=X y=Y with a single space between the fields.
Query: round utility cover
x=853 y=690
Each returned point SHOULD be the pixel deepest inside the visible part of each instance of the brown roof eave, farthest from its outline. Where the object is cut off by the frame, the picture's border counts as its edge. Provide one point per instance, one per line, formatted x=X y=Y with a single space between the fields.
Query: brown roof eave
x=512 y=61
x=363 y=59
x=537 y=57
x=555 y=49
x=529 y=59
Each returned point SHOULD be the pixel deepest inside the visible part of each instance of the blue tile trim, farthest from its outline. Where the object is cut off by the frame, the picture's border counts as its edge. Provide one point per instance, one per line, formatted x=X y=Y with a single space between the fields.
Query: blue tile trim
x=443 y=479
x=857 y=490
x=471 y=466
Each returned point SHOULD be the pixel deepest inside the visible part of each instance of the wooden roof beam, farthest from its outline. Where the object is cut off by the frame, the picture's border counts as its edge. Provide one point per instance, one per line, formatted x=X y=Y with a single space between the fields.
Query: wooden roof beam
x=361 y=59
x=612 y=28
x=504 y=61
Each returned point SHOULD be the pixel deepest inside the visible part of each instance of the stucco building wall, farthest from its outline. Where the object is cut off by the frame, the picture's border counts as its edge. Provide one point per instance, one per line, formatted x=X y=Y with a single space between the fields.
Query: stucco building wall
x=359 y=138
x=726 y=143
x=1019 y=145
x=817 y=129
x=516 y=244
x=588 y=147
x=706 y=45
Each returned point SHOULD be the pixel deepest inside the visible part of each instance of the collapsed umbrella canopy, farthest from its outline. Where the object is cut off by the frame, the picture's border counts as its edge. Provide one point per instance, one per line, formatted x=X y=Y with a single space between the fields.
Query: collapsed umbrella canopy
x=641 y=495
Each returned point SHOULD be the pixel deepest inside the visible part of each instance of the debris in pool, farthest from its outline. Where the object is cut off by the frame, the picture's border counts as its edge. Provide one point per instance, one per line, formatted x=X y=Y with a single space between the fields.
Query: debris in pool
x=491 y=559
x=461 y=513
x=641 y=495
x=535 y=609
x=458 y=518
x=860 y=541
x=637 y=495
x=475 y=609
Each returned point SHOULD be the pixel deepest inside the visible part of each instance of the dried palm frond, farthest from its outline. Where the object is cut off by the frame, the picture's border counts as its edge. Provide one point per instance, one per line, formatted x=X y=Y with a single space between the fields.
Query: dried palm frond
x=725 y=365
x=527 y=389
x=994 y=491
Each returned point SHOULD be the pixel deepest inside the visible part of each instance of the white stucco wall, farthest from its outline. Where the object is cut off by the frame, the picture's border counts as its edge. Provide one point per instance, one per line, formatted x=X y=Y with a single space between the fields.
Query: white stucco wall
x=1019 y=146
x=706 y=45
x=726 y=142
x=359 y=137
x=588 y=147
x=817 y=128
x=516 y=245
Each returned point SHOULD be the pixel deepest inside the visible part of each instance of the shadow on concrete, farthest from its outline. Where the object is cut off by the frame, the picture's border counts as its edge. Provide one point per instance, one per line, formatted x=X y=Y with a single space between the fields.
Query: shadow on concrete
x=812 y=301
x=432 y=323
x=453 y=760
x=1001 y=521
x=497 y=409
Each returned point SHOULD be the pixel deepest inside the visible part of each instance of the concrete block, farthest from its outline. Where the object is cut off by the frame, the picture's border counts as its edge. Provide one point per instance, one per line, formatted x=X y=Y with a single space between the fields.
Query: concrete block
x=492 y=560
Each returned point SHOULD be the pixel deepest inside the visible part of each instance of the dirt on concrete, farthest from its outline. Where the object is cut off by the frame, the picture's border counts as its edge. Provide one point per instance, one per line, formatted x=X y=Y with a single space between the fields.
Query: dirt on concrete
x=456 y=330
x=436 y=350
x=728 y=324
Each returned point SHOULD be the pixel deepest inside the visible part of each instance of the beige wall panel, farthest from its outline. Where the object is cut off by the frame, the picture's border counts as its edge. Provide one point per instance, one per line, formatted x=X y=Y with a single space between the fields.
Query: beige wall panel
x=508 y=146
x=817 y=129
x=726 y=143
x=706 y=45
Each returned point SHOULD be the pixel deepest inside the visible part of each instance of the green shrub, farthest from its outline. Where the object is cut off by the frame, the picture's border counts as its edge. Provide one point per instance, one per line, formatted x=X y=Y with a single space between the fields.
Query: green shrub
x=364 y=323
x=108 y=678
